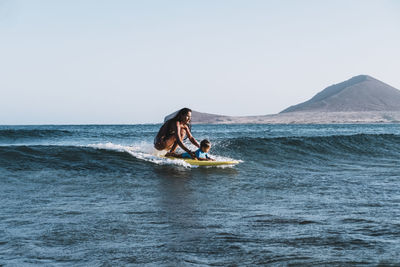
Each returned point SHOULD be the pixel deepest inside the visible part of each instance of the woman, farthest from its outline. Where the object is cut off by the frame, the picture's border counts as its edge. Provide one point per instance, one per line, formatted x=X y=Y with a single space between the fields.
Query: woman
x=173 y=132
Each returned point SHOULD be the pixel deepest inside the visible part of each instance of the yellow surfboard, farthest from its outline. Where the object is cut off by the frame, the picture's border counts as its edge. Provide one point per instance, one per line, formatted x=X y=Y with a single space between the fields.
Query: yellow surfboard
x=196 y=162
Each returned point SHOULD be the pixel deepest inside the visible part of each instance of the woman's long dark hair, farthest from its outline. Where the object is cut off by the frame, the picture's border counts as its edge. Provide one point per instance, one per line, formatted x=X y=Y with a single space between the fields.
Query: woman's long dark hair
x=181 y=115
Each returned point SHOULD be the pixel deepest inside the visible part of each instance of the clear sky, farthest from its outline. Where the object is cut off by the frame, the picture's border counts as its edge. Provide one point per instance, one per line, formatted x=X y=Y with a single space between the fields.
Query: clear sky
x=83 y=61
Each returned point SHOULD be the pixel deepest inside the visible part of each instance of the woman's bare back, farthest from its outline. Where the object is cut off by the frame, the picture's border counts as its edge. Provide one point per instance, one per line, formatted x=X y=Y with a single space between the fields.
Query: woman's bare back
x=166 y=137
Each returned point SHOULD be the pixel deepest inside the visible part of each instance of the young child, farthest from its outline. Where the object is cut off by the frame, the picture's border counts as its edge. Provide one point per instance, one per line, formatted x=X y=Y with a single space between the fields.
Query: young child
x=202 y=152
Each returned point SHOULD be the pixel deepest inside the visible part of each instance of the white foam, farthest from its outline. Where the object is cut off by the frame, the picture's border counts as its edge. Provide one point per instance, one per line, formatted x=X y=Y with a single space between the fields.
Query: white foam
x=143 y=151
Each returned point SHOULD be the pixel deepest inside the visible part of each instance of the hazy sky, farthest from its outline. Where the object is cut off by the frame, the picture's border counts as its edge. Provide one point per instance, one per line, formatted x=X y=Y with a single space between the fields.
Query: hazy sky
x=137 y=61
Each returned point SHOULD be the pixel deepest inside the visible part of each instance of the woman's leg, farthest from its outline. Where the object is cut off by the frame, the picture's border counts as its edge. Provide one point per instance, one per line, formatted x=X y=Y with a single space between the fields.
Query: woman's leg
x=159 y=144
x=174 y=147
x=173 y=154
x=165 y=144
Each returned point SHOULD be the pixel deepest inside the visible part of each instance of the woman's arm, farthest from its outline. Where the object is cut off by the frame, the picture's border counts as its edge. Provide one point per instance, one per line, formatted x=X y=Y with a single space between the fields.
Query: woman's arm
x=179 y=139
x=191 y=138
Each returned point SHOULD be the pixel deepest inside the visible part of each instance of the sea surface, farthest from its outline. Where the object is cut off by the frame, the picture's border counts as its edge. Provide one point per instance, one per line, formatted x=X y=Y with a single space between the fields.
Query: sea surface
x=99 y=195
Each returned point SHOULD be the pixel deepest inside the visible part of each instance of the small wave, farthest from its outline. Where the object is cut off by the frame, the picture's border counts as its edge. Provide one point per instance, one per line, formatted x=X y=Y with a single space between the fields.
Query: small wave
x=339 y=145
x=317 y=150
x=101 y=156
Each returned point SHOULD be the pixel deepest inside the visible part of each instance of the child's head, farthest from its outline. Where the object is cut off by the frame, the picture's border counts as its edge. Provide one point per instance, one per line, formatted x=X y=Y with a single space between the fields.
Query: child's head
x=205 y=145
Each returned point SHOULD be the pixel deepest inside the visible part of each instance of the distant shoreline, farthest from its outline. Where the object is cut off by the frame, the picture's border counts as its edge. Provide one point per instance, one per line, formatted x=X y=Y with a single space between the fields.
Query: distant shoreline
x=366 y=117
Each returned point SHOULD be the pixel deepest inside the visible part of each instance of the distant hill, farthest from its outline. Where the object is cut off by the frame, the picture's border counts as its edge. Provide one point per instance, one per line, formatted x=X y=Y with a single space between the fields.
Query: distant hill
x=204 y=118
x=358 y=94
x=361 y=99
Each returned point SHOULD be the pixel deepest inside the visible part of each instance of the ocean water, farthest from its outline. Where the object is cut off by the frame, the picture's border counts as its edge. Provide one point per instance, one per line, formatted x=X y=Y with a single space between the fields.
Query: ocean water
x=99 y=195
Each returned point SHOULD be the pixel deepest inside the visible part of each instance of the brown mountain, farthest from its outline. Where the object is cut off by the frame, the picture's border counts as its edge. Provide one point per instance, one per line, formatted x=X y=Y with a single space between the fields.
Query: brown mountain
x=358 y=94
x=361 y=99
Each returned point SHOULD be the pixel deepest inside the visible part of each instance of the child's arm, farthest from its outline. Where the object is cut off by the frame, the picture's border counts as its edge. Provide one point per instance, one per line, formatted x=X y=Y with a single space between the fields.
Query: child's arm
x=208 y=158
